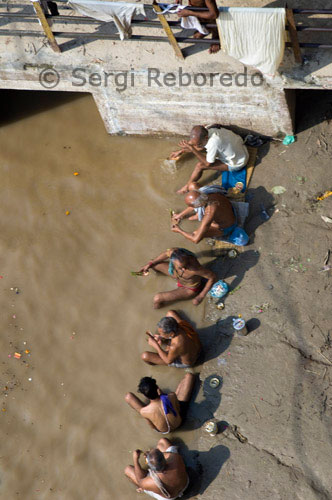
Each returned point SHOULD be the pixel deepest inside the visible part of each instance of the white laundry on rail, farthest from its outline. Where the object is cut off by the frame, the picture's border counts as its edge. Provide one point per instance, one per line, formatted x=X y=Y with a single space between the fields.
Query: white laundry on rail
x=254 y=36
x=120 y=13
x=189 y=23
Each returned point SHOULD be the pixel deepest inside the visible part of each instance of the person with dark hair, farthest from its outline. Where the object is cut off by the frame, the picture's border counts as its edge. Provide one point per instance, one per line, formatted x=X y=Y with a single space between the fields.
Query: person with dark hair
x=164 y=412
x=193 y=280
x=166 y=476
x=225 y=150
x=182 y=343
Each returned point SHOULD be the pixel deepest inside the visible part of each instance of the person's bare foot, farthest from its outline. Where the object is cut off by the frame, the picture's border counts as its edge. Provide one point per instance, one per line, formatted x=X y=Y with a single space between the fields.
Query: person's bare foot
x=214 y=47
x=198 y=35
x=183 y=190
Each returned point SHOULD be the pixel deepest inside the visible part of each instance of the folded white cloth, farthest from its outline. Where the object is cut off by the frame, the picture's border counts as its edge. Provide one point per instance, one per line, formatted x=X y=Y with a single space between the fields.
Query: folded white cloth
x=254 y=36
x=120 y=13
x=190 y=22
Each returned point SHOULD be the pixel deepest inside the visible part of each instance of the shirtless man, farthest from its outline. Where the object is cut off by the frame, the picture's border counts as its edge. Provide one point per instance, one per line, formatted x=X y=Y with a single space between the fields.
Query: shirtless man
x=166 y=476
x=213 y=210
x=164 y=412
x=183 y=346
x=209 y=16
x=193 y=280
x=225 y=151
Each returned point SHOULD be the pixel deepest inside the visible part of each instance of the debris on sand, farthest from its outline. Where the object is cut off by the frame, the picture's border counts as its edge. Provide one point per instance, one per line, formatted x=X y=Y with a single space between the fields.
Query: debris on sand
x=260 y=308
x=324 y=195
x=278 y=190
x=326 y=219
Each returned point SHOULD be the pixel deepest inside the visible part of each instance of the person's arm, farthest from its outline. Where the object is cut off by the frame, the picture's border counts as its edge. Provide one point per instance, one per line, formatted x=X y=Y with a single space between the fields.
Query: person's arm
x=184 y=214
x=167 y=357
x=197 y=235
x=175 y=155
x=212 y=13
x=211 y=278
x=139 y=472
x=197 y=152
x=161 y=258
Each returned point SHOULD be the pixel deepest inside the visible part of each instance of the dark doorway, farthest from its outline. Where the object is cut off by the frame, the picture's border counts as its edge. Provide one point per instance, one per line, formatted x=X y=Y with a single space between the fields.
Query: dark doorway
x=312 y=107
x=18 y=104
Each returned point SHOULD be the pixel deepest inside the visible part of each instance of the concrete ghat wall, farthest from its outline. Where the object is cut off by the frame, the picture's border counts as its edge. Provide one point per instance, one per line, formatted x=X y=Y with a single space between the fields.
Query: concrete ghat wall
x=145 y=108
x=136 y=104
x=140 y=105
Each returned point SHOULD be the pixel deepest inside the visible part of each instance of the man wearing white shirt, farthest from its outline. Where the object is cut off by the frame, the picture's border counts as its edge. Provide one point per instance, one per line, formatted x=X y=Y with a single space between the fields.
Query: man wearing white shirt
x=225 y=150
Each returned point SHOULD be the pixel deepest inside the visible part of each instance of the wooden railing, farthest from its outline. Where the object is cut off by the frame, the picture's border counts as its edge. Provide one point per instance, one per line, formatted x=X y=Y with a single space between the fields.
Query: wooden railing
x=40 y=13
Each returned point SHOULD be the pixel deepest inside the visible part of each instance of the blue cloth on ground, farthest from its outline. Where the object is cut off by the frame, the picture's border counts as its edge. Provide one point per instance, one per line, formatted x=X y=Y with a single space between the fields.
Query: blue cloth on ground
x=167 y=405
x=171 y=265
x=237 y=236
x=230 y=178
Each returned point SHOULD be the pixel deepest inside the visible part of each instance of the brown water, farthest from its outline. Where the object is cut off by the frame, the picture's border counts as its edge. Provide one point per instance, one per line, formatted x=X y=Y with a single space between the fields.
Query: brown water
x=67 y=433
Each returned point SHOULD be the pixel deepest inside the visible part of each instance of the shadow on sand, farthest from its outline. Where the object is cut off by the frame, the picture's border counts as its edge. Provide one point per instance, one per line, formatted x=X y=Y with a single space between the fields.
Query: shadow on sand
x=202 y=466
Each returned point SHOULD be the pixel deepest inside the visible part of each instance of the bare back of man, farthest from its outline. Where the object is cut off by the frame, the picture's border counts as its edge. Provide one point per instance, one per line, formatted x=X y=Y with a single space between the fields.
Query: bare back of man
x=155 y=414
x=183 y=348
x=173 y=477
x=220 y=210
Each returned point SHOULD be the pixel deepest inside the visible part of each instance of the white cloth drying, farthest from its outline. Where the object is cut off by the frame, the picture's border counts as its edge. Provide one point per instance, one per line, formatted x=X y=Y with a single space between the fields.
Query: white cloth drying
x=189 y=23
x=254 y=36
x=120 y=13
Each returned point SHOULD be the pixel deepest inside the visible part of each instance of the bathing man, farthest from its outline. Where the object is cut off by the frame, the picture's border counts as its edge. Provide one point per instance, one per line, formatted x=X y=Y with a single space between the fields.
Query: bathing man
x=166 y=476
x=209 y=206
x=164 y=412
x=193 y=280
x=183 y=346
x=225 y=151
x=209 y=16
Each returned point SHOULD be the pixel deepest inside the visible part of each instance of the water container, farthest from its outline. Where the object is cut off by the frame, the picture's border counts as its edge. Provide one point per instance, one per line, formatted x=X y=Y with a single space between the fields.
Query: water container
x=239 y=326
x=219 y=289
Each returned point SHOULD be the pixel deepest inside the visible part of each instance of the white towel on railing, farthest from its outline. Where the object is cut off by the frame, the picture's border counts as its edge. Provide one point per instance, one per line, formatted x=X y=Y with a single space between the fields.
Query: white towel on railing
x=189 y=23
x=254 y=36
x=120 y=13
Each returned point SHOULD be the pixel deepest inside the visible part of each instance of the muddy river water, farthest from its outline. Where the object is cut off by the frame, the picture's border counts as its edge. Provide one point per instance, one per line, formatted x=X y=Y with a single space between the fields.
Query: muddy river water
x=79 y=317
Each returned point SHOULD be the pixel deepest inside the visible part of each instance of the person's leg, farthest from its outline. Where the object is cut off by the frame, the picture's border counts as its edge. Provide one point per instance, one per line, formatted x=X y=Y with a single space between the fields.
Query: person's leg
x=185 y=387
x=130 y=473
x=152 y=358
x=195 y=176
x=161 y=268
x=161 y=298
x=212 y=232
x=134 y=401
x=214 y=47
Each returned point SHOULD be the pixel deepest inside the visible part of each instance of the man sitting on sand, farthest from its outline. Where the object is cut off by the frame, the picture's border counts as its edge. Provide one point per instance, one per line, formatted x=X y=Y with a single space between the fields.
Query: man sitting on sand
x=193 y=280
x=209 y=16
x=166 y=476
x=183 y=346
x=215 y=212
x=225 y=151
x=164 y=412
